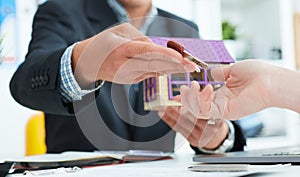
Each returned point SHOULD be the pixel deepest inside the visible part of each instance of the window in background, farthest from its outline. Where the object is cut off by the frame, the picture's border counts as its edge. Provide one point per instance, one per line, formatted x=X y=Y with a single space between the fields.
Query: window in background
x=205 y=13
x=8 y=33
x=258 y=26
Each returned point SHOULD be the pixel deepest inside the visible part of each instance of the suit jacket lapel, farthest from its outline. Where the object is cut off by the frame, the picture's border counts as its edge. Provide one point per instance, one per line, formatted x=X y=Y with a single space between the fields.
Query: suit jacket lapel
x=100 y=14
x=167 y=25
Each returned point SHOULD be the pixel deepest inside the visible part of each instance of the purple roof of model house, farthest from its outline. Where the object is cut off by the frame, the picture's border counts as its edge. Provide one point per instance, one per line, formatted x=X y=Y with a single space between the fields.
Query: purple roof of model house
x=209 y=51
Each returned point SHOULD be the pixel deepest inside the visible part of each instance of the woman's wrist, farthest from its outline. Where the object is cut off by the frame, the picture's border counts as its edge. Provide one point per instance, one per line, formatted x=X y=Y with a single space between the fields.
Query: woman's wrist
x=285 y=90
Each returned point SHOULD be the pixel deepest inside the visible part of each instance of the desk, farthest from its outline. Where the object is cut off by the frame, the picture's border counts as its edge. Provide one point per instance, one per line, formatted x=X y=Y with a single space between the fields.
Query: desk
x=176 y=167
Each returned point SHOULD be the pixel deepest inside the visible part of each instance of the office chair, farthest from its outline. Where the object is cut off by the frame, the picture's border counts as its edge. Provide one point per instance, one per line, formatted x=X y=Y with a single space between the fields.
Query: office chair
x=35 y=135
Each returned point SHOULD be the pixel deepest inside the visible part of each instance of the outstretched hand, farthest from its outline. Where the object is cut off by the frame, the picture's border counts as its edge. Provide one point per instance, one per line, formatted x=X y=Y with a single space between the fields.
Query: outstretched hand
x=124 y=55
x=246 y=91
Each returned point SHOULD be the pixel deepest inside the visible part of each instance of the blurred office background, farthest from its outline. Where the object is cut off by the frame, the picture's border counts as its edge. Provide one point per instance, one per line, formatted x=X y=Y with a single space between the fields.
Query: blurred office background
x=260 y=29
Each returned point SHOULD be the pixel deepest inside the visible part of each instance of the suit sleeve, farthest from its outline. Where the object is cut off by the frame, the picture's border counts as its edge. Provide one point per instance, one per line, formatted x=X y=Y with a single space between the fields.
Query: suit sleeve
x=35 y=84
x=240 y=139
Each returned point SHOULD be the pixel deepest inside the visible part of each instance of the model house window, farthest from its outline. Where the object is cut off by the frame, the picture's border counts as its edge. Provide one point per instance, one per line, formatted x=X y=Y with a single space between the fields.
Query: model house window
x=176 y=80
x=150 y=89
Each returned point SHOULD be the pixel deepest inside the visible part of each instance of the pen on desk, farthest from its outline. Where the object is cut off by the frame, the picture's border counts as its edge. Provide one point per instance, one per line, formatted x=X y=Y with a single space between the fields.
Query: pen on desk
x=179 y=48
x=219 y=167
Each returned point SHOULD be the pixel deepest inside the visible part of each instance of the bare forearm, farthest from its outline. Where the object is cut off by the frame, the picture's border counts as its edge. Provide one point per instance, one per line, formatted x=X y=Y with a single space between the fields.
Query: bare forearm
x=285 y=92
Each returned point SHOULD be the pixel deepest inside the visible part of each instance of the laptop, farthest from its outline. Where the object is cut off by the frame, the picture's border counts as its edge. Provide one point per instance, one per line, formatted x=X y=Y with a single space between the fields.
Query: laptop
x=266 y=156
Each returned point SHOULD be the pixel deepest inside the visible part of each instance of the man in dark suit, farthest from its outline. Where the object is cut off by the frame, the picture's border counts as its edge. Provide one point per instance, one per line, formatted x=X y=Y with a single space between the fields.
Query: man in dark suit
x=79 y=68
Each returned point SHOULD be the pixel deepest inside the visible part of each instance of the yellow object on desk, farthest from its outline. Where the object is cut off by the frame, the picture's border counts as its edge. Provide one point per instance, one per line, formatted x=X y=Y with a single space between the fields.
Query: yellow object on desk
x=35 y=135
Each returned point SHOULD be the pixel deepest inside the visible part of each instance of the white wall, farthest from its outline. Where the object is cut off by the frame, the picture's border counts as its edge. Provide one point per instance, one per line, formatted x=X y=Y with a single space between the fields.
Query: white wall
x=296 y=5
x=257 y=21
x=13 y=116
x=25 y=13
x=205 y=13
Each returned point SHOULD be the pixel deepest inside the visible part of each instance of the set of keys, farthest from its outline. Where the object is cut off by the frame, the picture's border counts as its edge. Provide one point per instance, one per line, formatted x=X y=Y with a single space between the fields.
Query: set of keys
x=179 y=48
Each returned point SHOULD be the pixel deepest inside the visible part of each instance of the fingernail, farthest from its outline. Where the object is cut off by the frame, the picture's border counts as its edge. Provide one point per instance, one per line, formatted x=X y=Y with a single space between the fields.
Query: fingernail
x=205 y=89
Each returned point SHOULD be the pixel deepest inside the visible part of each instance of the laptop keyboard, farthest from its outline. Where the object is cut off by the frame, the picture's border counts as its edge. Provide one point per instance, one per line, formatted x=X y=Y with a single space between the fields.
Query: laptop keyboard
x=296 y=153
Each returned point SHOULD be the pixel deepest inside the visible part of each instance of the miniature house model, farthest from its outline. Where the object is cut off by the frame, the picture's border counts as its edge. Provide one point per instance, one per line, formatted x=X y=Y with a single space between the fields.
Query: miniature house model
x=160 y=91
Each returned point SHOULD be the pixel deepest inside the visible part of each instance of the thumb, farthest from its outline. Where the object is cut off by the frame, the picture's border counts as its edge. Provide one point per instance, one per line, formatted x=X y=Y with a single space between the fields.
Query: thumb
x=220 y=74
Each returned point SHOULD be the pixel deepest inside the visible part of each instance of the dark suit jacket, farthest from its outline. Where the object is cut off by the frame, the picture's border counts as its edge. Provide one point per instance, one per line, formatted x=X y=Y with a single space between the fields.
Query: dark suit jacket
x=106 y=119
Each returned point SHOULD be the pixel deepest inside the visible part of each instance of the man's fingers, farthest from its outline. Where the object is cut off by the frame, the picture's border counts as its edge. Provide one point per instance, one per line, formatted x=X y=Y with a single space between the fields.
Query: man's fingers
x=143 y=39
x=187 y=101
x=198 y=103
x=206 y=93
x=177 y=98
x=209 y=132
x=169 y=115
x=128 y=31
x=146 y=50
x=156 y=65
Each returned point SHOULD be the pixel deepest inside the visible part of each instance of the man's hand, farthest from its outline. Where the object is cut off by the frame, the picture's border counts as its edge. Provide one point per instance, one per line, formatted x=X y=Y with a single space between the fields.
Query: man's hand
x=196 y=131
x=124 y=55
